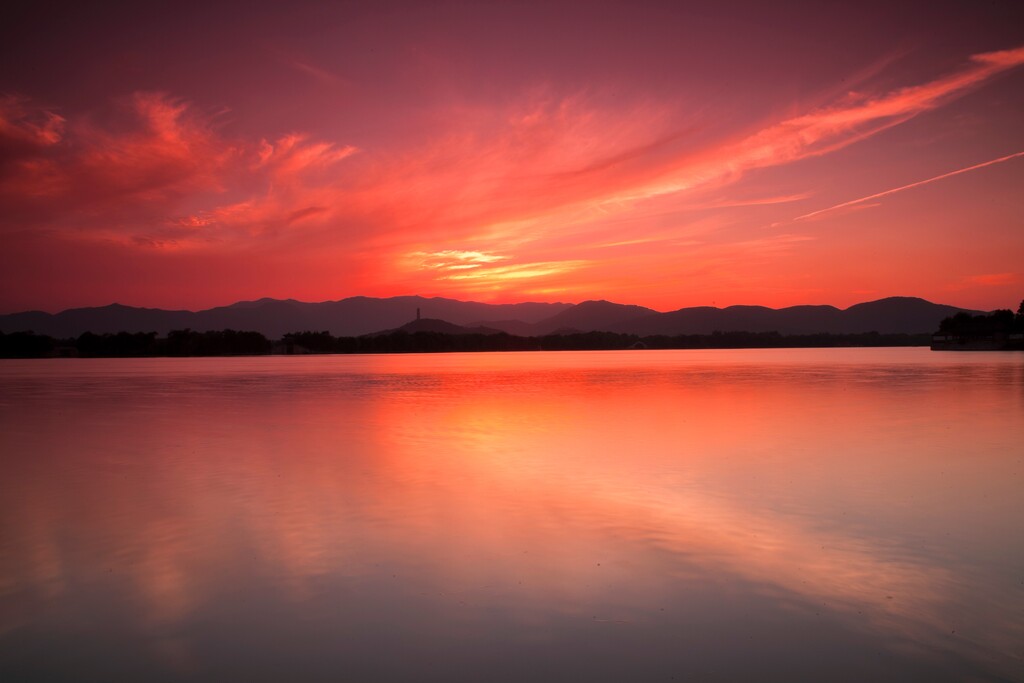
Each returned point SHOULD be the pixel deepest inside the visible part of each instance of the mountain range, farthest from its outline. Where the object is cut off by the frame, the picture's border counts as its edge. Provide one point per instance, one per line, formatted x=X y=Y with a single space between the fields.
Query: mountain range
x=366 y=315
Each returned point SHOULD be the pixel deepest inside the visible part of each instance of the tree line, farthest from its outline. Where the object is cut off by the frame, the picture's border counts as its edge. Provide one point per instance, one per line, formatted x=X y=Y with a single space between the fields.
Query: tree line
x=184 y=343
x=136 y=344
x=1002 y=321
x=426 y=342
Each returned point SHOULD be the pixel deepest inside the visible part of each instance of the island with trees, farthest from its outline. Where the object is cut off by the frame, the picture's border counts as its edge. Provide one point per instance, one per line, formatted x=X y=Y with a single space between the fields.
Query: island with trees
x=999 y=330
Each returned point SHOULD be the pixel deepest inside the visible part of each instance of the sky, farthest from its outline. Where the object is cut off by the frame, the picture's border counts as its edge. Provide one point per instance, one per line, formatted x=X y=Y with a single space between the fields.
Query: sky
x=668 y=154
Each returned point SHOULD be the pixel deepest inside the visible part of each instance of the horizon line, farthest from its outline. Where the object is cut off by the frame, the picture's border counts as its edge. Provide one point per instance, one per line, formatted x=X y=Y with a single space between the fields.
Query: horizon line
x=473 y=301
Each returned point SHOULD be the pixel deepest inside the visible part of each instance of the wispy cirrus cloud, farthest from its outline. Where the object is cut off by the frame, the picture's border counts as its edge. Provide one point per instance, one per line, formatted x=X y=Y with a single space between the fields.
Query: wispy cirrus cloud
x=615 y=181
x=475 y=266
x=507 y=182
x=498 y=168
x=829 y=128
x=322 y=75
x=518 y=271
x=293 y=156
x=909 y=186
x=455 y=259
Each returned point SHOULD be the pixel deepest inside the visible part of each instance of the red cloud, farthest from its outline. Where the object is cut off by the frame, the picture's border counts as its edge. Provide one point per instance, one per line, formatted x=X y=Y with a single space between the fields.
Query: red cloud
x=27 y=127
x=135 y=182
x=515 y=179
x=96 y=176
x=488 y=174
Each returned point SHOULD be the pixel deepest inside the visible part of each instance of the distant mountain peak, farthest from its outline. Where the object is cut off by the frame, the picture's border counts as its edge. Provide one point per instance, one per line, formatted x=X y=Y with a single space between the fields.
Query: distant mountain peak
x=359 y=315
x=896 y=300
x=892 y=315
x=598 y=303
x=592 y=315
x=438 y=326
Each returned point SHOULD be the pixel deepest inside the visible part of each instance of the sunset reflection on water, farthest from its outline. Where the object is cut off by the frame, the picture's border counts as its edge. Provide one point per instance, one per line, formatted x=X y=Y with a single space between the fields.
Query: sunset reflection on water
x=759 y=515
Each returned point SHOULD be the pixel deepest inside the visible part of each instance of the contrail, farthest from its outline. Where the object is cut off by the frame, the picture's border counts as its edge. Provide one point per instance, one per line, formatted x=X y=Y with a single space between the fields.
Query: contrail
x=911 y=185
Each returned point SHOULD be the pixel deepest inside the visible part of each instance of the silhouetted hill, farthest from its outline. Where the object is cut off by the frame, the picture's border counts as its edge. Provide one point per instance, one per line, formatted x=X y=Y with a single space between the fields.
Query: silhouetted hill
x=274 y=317
x=899 y=314
x=591 y=316
x=105 y=319
x=364 y=315
x=513 y=327
x=438 y=327
x=895 y=315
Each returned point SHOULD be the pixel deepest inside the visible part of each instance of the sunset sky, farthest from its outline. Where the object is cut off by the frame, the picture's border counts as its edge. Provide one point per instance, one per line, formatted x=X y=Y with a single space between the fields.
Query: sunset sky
x=669 y=154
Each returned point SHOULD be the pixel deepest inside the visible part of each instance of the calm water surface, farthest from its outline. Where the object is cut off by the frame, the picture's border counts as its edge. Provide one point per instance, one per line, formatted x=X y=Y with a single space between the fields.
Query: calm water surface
x=789 y=515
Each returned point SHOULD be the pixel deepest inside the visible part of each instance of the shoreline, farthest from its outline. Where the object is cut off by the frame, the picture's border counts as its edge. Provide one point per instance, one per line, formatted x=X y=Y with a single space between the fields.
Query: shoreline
x=221 y=344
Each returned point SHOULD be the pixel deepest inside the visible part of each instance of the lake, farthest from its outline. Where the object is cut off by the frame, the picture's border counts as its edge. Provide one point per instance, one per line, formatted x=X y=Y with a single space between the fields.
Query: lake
x=740 y=515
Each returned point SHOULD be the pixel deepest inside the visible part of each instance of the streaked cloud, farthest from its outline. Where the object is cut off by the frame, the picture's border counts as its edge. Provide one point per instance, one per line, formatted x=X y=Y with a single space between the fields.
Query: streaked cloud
x=885 y=193
x=828 y=129
x=455 y=259
x=318 y=73
x=527 y=187
x=487 y=269
x=519 y=271
x=992 y=279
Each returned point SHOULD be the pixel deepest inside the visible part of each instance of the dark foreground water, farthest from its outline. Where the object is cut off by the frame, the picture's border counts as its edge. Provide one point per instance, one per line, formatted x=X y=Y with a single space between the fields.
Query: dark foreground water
x=770 y=515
